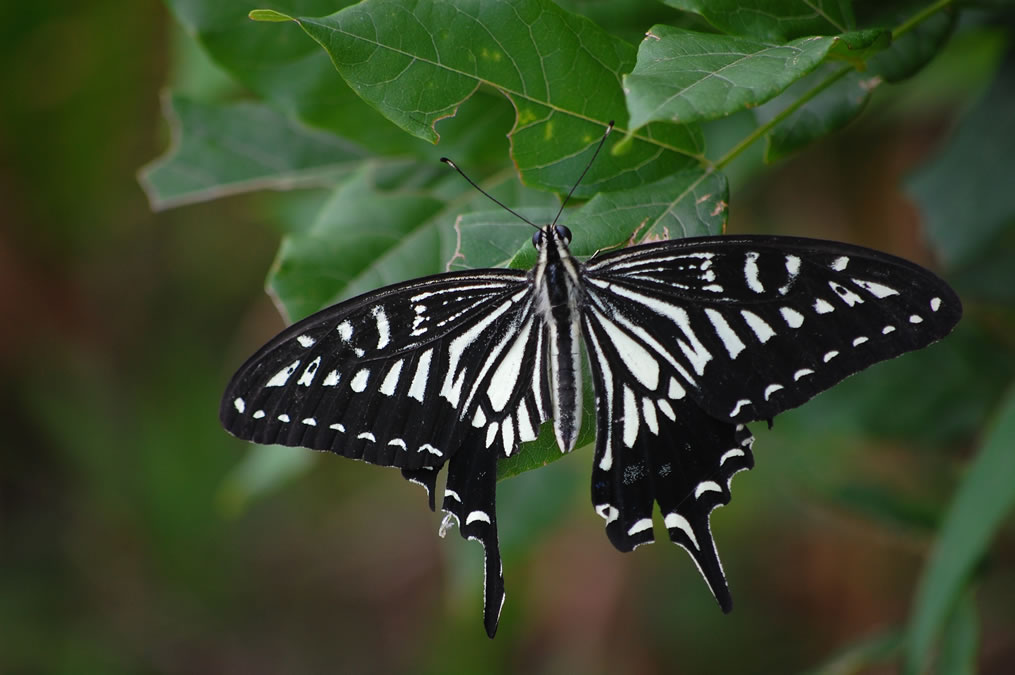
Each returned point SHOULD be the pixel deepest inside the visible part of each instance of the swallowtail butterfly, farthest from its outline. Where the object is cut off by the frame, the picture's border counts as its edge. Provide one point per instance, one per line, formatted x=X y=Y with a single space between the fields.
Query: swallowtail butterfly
x=688 y=340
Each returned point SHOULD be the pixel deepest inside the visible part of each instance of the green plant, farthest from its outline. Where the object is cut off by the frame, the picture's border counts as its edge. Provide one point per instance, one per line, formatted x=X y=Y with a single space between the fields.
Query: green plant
x=349 y=109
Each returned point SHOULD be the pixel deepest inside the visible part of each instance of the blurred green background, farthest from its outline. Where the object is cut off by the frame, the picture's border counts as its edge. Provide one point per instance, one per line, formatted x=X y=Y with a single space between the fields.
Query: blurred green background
x=134 y=538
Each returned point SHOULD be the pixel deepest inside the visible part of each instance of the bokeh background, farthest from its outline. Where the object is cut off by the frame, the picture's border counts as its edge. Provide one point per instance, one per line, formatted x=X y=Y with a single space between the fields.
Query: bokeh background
x=137 y=537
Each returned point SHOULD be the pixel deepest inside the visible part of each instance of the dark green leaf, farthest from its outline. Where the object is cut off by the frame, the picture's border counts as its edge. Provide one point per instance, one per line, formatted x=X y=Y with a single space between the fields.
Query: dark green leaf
x=353 y=232
x=418 y=62
x=775 y=20
x=292 y=73
x=828 y=111
x=224 y=149
x=912 y=50
x=983 y=500
x=965 y=192
x=685 y=76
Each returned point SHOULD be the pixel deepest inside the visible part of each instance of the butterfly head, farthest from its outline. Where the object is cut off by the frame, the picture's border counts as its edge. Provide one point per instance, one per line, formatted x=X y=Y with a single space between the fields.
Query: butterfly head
x=557 y=233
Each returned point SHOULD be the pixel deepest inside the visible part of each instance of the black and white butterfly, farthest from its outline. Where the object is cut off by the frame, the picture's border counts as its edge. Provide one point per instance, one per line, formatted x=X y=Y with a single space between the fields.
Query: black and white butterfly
x=688 y=340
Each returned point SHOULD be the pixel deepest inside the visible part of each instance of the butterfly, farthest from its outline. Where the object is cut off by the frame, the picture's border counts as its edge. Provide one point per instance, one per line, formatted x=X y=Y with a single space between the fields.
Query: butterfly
x=687 y=341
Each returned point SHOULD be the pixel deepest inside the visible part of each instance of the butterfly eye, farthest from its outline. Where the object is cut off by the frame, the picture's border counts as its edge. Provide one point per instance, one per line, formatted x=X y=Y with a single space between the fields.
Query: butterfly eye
x=564 y=234
x=537 y=237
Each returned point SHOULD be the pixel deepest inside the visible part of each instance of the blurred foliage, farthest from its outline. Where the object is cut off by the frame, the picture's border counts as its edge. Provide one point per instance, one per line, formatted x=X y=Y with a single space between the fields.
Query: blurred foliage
x=136 y=536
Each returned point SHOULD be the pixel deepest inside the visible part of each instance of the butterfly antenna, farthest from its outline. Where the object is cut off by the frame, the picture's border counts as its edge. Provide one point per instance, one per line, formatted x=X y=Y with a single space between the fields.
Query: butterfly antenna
x=609 y=128
x=487 y=194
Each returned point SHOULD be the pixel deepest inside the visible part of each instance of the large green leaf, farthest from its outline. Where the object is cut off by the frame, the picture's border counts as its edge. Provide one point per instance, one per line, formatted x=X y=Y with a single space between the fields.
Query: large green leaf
x=281 y=67
x=685 y=76
x=984 y=499
x=222 y=149
x=775 y=20
x=417 y=62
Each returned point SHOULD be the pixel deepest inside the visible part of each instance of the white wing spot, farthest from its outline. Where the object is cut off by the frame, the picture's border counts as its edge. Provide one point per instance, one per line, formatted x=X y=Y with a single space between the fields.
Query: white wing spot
x=935 y=304
x=391 y=379
x=676 y=521
x=771 y=389
x=283 y=418
x=860 y=340
x=792 y=270
x=640 y=526
x=310 y=422
x=344 y=330
x=239 y=405
x=258 y=414
x=479 y=419
x=453 y=495
x=793 y=318
x=915 y=318
x=367 y=436
x=676 y=392
x=664 y=406
x=332 y=379
x=491 y=433
x=734 y=345
x=761 y=329
x=481 y=516
x=426 y=447
x=730 y=454
x=306 y=341
x=803 y=372
x=307 y=378
x=847 y=296
x=383 y=327
x=877 y=290
x=398 y=442
x=337 y=427
x=630 y=417
x=839 y=263
x=282 y=376
x=830 y=355
x=822 y=306
x=507 y=434
x=714 y=288
x=706 y=486
x=648 y=411
x=418 y=387
x=608 y=512
x=751 y=272
x=740 y=404
x=359 y=380
x=887 y=329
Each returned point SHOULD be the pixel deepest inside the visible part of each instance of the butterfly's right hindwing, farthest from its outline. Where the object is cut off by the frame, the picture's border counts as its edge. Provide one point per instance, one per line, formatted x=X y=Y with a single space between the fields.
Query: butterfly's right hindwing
x=386 y=377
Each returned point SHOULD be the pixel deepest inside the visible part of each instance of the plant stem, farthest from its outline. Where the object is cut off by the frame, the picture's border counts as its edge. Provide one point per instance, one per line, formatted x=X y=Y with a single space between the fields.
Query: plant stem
x=772 y=123
x=910 y=23
x=900 y=30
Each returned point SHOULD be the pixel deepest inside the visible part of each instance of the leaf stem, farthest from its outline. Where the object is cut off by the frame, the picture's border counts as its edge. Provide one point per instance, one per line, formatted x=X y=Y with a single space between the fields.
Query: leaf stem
x=925 y=13
x=772 y=123
x=900 y=30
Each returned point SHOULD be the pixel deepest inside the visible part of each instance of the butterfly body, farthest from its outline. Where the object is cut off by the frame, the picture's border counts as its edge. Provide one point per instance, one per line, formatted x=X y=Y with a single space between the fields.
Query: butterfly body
x=687 y=340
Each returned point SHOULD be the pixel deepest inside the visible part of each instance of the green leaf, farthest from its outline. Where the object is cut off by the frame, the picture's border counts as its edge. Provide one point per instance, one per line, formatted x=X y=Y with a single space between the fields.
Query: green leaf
x=222 y=149
x=774 y=20
x=965 y=192
x=352 y=233
x=417 y=62
x=913 y=49
x=960 y=639
x=984 y=498
x=685 y=76
x=826 y=112
x=289 y=72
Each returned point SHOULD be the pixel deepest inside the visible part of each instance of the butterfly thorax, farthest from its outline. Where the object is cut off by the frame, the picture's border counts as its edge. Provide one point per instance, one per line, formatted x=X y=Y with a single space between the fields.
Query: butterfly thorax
x=557 y=288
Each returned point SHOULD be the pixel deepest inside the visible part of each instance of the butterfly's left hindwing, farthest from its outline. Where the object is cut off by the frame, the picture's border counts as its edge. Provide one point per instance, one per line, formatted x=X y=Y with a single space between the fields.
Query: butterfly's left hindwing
x=450 y=367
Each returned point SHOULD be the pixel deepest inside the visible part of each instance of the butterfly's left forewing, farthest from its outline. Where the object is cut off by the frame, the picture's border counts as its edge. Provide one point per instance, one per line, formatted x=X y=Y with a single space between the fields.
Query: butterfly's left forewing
x=449 y=368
